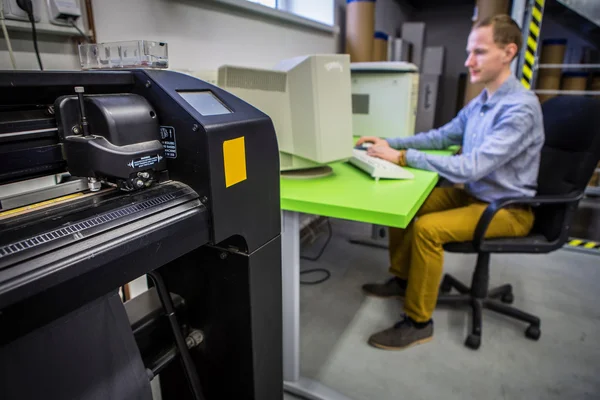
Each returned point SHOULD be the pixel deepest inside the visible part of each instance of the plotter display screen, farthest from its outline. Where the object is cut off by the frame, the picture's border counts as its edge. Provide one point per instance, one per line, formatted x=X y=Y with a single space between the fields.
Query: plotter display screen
x=205 y=103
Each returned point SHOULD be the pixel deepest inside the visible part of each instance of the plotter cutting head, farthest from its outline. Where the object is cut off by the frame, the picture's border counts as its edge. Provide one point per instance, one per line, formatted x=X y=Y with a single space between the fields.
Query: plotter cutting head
x=113 y=139
x=68 y=132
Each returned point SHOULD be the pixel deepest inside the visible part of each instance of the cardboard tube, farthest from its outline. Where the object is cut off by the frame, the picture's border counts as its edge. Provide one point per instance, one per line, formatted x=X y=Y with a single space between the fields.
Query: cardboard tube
x=360 y=28
x=595 y=86
x=380 y=46
x=552 y=52
x=574 y=80
x=489 y=8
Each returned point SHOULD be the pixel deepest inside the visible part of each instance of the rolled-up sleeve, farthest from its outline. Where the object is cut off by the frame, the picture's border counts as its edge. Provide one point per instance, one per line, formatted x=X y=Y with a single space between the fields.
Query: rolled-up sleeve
x=508 y=138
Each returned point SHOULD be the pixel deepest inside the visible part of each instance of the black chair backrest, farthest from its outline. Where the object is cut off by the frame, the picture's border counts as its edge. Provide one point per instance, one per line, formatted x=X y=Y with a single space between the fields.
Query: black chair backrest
x=570 y=154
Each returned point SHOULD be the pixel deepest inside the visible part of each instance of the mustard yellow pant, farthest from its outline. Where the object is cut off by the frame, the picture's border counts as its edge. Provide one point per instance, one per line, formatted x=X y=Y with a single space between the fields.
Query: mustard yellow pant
x=448 y=215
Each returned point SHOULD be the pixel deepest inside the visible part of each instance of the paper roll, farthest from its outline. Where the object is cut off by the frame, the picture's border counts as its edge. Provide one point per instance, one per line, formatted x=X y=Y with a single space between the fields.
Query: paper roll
x=595 y=85
x=552 y=52
x=360 y=29
x=574 y=80
x=380 y=46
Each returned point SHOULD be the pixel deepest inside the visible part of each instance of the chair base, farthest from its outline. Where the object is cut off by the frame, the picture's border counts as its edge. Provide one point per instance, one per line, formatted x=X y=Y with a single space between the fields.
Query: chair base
x=490 y=302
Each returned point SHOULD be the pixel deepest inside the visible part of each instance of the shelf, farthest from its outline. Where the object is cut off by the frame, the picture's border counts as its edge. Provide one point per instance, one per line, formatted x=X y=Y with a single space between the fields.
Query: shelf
x=569 y=92
x=592 y=190
x=43 y=28
x=568 y=66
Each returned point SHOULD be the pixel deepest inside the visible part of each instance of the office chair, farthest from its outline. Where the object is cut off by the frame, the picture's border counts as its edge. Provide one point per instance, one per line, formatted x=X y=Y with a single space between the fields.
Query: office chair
x=569 y=157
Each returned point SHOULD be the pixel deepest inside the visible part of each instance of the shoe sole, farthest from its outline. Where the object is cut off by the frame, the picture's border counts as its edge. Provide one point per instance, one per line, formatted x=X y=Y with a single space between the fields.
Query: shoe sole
x=394 y=296
x=416 y=342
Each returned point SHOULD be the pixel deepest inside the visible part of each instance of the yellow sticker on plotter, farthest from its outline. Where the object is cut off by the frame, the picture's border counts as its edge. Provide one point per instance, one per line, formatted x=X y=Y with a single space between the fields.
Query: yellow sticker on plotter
x=234 y=158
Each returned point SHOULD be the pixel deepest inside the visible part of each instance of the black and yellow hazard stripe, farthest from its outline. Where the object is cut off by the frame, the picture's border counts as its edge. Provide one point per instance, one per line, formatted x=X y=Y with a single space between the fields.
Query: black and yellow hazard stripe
x=532 y=43
x=584 y=244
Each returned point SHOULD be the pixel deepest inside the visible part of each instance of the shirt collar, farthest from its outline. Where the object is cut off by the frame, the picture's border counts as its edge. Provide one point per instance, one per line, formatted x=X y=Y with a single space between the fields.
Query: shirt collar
x=505 y=88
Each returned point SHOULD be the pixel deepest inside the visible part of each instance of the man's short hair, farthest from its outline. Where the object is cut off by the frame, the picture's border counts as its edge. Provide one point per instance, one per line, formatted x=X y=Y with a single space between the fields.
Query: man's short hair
x=505 y=30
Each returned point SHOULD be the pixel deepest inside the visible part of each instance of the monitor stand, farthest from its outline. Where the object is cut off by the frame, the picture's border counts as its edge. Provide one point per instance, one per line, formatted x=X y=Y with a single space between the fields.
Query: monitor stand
x=308 y=173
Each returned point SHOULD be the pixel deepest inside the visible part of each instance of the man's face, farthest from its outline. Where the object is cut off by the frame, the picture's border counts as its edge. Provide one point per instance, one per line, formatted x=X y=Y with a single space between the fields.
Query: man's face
x=486 y=60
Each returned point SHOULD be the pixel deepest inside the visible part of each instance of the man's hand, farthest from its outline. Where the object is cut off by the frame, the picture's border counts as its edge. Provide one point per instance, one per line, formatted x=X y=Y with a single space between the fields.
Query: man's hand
x=373 y=139
x=389 y=154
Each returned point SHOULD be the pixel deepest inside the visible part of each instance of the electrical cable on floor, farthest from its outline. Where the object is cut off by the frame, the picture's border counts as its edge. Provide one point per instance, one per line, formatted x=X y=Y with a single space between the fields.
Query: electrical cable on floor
x=5 y=32
x=72 y=21
x=316 y=258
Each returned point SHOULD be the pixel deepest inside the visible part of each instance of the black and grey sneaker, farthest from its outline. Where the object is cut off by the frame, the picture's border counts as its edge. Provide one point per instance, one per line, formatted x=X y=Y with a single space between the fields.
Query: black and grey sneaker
x=402 y=335
x=393 y=287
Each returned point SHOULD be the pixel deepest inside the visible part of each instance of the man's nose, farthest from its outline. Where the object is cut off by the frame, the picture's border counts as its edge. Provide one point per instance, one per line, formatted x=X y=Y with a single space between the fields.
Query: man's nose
x=469 y=60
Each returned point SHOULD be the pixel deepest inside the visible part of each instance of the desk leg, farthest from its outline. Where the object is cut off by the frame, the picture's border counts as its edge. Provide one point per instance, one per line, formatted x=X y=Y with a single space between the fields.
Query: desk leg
x=290 y=260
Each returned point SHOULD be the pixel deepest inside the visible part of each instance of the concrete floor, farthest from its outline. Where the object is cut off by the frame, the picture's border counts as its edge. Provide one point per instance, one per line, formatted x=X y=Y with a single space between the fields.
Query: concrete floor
x=562 y=288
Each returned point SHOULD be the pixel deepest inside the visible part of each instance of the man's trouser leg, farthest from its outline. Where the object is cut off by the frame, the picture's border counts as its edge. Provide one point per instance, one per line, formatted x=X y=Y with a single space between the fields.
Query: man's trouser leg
x=431 y=231
x=400 y=240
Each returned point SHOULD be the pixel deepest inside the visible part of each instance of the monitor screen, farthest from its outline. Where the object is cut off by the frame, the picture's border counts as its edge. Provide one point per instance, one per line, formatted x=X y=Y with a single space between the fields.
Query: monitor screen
x=205 y=103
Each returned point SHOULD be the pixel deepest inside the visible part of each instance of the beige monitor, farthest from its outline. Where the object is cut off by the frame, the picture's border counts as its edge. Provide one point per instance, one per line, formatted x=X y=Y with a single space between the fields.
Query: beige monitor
x=309 y=100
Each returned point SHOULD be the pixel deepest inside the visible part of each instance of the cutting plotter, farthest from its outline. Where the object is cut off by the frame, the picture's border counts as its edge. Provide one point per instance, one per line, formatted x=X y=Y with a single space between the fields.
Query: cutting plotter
x=109 y=175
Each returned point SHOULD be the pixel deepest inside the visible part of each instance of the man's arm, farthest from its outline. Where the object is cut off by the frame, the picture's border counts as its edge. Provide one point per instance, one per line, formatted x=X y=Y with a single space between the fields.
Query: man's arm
x=510 y=136
x=435 y=139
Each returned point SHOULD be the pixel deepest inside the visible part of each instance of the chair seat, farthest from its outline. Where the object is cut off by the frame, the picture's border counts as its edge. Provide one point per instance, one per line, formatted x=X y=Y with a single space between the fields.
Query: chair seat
x=534 y=243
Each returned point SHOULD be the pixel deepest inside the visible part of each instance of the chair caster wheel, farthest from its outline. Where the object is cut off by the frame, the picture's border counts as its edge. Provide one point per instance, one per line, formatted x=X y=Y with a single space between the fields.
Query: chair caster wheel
x=508 y=298
x=473 y=342
x=533 y=332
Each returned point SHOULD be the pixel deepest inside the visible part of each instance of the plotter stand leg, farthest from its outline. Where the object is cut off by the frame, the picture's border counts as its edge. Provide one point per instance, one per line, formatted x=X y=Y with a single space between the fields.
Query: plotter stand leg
x=188 y=364
x=235 y=300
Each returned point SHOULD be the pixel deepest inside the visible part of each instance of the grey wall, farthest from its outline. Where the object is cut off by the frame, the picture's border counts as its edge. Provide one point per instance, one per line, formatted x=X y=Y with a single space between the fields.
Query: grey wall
x=448 y=26
x=389 y=16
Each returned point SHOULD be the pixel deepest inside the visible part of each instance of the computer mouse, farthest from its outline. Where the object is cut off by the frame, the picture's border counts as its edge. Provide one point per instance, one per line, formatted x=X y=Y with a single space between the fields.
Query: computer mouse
x=363 y=146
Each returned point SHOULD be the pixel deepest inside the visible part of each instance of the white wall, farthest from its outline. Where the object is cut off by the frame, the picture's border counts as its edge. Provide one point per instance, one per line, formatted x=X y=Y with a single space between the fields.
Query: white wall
x=57 y=51
x=203 y=36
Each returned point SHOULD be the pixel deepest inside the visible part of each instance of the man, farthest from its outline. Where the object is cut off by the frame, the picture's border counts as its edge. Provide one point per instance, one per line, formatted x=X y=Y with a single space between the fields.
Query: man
x=501 y=133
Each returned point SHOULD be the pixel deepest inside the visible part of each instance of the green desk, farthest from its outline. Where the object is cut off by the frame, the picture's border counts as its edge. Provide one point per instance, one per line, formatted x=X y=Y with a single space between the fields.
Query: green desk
x=351 y=194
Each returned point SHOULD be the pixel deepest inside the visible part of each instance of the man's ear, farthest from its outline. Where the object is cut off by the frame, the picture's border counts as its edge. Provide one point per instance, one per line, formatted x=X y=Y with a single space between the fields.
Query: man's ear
x=510 y=51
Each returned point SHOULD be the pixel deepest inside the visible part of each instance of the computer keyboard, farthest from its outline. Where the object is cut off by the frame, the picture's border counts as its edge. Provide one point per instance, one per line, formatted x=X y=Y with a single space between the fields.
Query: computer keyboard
x=378 y=168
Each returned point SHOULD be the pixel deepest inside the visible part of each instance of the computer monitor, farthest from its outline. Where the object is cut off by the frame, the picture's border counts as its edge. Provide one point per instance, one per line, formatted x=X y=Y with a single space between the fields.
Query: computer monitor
x=384 y=98
x=308 y=98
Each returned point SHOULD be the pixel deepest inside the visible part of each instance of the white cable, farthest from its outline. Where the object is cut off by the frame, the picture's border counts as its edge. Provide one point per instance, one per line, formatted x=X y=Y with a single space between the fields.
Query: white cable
x=5 y=31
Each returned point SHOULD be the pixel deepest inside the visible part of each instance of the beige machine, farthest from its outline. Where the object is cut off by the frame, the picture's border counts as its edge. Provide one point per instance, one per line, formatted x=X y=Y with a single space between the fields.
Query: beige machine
x=309 y=100
x=384 y=98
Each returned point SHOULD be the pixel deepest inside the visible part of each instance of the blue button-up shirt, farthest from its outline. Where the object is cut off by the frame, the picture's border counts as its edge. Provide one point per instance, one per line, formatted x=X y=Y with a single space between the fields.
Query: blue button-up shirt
x=501 y=138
